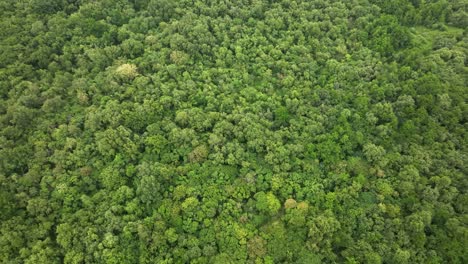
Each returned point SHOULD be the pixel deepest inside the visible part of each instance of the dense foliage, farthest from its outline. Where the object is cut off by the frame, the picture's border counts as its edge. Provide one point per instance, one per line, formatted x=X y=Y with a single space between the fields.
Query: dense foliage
x=234 y=131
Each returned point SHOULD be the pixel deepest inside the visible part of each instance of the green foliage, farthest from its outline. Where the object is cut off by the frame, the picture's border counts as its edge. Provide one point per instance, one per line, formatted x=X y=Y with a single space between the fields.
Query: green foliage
x=158 y=131
x=267 y=203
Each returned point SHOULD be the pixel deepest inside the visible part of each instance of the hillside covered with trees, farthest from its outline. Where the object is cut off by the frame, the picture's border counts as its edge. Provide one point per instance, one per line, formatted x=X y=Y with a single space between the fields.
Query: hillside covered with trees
x=233 y=131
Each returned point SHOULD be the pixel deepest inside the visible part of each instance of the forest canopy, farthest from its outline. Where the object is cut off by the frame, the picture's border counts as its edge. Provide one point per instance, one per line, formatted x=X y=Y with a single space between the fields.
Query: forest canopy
x=249 y=131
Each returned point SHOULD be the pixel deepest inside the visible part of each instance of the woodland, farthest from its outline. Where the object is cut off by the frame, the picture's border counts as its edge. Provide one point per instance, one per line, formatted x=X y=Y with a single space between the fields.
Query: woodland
x=233 y=131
